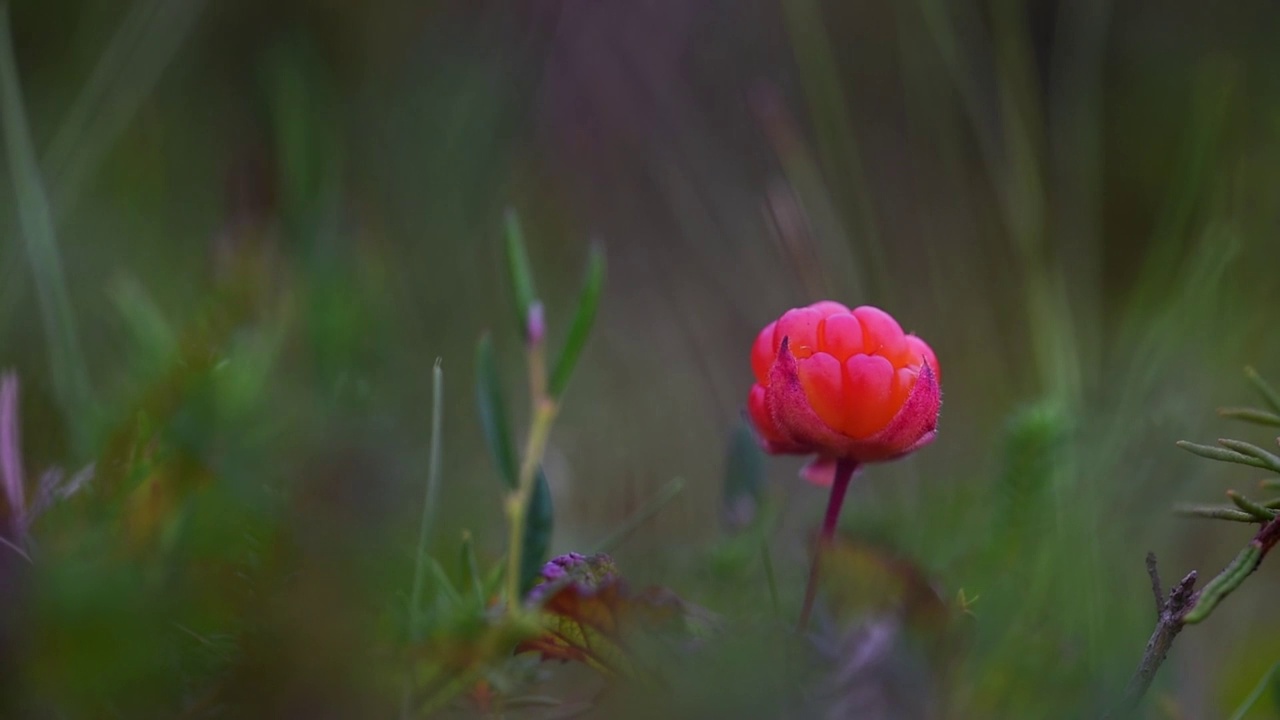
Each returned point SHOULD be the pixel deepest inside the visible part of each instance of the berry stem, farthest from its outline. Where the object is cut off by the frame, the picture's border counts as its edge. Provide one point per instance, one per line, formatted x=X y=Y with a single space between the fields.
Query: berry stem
x=844 y=473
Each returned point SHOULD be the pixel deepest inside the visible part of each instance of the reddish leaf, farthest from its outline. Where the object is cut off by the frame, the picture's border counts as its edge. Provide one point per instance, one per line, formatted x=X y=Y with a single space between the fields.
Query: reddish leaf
x=589 y=614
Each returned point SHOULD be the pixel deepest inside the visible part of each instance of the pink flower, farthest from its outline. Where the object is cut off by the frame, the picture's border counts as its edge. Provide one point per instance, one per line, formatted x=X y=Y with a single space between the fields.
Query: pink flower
x=846 y=385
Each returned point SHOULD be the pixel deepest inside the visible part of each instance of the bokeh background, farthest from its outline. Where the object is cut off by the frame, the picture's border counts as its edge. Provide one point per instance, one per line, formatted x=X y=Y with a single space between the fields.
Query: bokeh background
x=270 y=218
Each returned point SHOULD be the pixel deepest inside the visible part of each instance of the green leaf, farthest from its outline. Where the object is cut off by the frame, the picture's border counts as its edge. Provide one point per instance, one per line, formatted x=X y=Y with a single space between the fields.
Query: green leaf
x=1222 y=454
x=1253 y=415
x=1269 y=460
x=537 y=533
x=471 y=569
x=444 y=594
x=588 y=302
x=493 y=412
x=521 y=274
x=1268 y=393
x=1259 y=512
x=1215 y=512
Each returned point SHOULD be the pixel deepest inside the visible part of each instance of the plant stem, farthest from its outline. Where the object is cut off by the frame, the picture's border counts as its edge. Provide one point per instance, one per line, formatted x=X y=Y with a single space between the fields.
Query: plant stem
x=1169 y=613
x=518 y=501
x=844 y=473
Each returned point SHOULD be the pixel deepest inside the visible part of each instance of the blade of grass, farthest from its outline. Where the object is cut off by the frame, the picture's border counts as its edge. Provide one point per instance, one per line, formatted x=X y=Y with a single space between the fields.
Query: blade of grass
x=647 y=511
x=1256 y=694
x=130 y=67
x=588 y=303
x=428 y=500
x=424 y=528
x=70 y=373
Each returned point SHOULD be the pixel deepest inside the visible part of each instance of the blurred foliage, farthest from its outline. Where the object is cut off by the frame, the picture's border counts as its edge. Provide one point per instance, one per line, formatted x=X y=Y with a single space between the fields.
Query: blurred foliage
x=241 y=232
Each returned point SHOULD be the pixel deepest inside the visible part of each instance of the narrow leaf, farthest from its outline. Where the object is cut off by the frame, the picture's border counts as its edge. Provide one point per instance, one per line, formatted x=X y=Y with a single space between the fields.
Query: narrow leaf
x=1222 y=454
x=471 y=569
x=521 y=275
x=493 y=412
x=537 y=533
x=1268 y=393
x=1215 y=512
x=1253 y=415
x=1269 y=460
x=588 y=302
x=1257 y=511
x=445 y=591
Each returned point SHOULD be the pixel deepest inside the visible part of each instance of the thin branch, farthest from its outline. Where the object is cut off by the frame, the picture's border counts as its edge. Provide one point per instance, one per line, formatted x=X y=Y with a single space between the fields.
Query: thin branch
x=1169 y=614
x=1157 y=592
x=1185 y=606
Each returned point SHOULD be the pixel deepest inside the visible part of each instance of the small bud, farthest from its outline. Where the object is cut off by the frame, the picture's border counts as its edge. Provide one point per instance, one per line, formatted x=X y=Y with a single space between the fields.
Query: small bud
x=535 y=327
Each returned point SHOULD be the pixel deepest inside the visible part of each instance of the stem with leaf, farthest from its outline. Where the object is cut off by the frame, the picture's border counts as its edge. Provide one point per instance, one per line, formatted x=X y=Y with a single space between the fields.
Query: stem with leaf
x=1184 y=606
x=519 y=500
x=527 y=484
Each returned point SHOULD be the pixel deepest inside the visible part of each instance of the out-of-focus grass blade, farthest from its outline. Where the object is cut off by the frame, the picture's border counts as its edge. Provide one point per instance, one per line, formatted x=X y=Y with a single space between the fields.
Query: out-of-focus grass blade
x=1270 y=680
x=154 y=336
x=146 y=41
x=588 y=302
x=521 y=274
x=70 y=374
x=300 y=101
x=537 y=533
x=445 y=593
x=652 y=507
x=493 y=412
